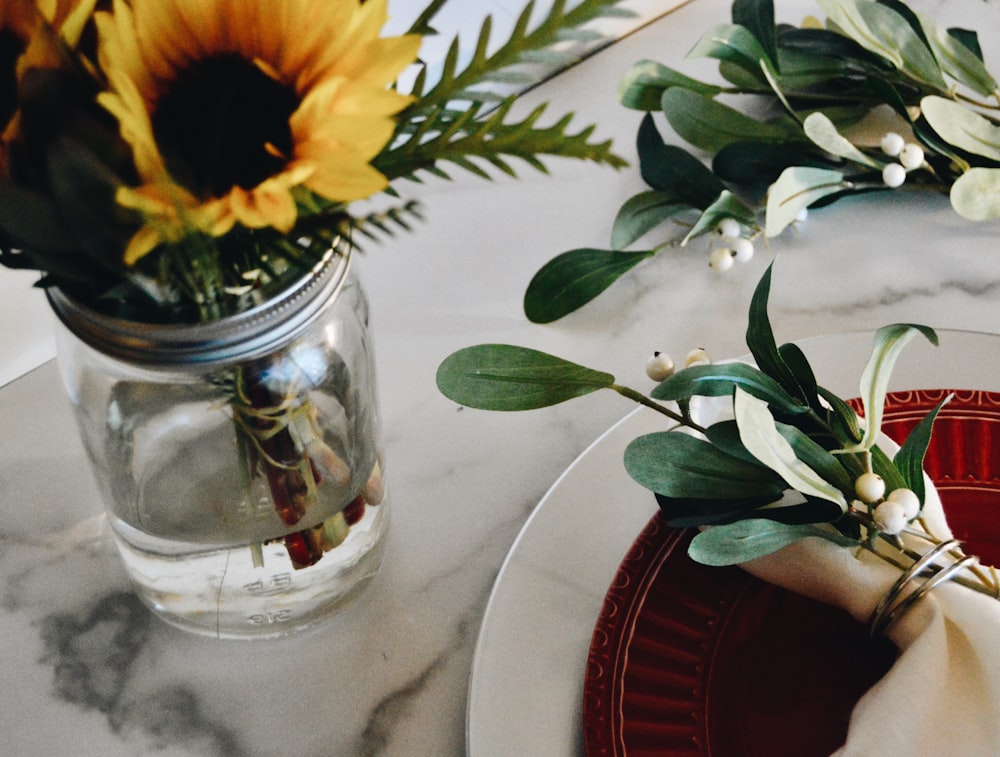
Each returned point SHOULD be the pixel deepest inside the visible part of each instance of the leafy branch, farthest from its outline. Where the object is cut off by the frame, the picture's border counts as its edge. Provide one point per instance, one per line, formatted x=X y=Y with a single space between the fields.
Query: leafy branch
x=796 y=143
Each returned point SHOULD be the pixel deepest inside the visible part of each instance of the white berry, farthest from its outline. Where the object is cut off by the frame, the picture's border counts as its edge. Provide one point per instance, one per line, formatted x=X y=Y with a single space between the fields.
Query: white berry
x=893 y=175
x=697 y=356
x=912 y=156
x=892 y=144
x=742 y=249
x=721 y=259
x=869 y=487
x=906 y=498
x=659 y=367
x=890 y=517
x=729 y=227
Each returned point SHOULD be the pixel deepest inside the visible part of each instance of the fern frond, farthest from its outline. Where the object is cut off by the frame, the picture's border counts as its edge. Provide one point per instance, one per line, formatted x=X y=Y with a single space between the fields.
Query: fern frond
x=520 y=47
x=462 y=139
x=384 y=223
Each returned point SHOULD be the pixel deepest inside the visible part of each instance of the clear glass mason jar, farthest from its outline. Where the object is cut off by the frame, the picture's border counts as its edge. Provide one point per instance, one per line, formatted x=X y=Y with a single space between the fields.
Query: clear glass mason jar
x=239 y=460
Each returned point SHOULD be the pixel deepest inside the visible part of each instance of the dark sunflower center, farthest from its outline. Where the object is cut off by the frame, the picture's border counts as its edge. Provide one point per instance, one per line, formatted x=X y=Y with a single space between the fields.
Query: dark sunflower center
x=11 y=47
x=215 y=122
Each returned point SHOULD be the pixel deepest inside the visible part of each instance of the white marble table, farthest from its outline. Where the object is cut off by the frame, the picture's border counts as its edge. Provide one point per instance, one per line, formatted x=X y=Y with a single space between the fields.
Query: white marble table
x=84 y=670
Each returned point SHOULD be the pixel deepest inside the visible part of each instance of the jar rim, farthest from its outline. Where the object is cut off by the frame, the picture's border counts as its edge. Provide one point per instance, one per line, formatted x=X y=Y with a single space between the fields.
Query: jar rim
x=245 y=335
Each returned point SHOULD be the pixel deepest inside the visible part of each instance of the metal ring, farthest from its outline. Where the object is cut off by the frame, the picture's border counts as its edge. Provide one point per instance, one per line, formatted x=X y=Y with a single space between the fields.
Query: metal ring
x=889 y=610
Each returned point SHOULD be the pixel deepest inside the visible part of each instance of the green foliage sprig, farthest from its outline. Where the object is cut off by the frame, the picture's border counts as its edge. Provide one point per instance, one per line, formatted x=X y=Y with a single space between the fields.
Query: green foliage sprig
x=784 y=466
x=782 y=132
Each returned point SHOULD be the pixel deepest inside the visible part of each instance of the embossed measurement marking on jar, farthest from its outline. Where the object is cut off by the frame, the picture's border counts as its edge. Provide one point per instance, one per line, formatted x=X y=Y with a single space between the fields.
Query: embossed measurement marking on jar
x=269 y=618
x=276 y=584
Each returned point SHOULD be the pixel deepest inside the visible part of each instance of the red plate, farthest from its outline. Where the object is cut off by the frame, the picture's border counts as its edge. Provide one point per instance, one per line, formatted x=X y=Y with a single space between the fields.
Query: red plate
x=691 y=660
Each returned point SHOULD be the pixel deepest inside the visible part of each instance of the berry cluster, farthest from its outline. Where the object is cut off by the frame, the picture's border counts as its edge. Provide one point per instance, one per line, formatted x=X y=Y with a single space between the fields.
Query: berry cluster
x=892 y=513
x=659 y=366
x=909 y=157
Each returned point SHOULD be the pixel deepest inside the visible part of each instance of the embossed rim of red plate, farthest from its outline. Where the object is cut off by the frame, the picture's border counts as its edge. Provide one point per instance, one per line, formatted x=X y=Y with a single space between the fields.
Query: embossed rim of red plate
x=672 y=693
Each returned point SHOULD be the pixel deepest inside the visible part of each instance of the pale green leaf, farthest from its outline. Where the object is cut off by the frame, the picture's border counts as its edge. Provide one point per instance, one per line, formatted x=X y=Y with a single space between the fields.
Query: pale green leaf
x=763 y=440
x=889 y=342
x=962 y=127
x=822 y=131
x=745 y=540
x=957 y=60
x=719 y=380
x=976 y=194
x=797 y=188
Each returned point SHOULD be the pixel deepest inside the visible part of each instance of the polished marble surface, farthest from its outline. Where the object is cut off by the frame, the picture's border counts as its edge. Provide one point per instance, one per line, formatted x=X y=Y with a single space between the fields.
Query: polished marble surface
x=84 y=670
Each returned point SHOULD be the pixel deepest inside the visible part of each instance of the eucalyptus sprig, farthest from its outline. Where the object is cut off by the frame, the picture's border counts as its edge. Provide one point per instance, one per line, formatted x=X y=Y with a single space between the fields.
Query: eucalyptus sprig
x=783 y=133
x=792 y=459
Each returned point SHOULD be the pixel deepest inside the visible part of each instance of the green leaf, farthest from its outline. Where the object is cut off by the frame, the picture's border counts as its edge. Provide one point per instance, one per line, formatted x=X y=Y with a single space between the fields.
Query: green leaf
x=727 y=205
x=761 y=163
x=680 y=465
x=844 y=419
x=709 y=125
x=32 y=220
x=962 y=127
x=719 y=380
x=506 y=377
x=818 y=458
x=801 y=371
x=642 y=213
x=889 y=342
x=796 y=189
x=909 y=460
x=760 y=339
x=878 y=28
x=757 y=17
x=746 y=540
x=730 y=43
x=694 y=511
x=824 y=134
x=975 y=195
x=574 y=278
x=956 y=59
x=885 y=467
x=725 y=435
x=643 y=85
x=761 y=438
x=673 y=170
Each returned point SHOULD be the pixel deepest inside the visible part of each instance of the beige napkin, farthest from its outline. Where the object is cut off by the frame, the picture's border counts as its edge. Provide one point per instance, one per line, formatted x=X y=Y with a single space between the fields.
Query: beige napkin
x=941 y=698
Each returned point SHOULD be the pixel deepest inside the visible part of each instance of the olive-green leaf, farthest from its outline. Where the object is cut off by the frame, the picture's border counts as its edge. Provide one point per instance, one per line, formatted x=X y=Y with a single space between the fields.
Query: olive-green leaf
x=889 y=342
x=679 y=465
x=641 y=214
x=761 y=438
x=710 y=125
x=956 y=59
x=719 y=380
x=507 y=377
x=760 y=338
x=962 y=127
x=909 y=460
x=823 y=133
x=975 y=195
x=643 y=85
x=797 y=188
x=572 y=279
x=745 y=540
x=818 y=458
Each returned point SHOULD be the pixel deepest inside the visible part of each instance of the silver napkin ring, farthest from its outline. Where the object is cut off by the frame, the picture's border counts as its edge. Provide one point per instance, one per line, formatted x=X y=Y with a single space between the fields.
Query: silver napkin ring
x=894 y=605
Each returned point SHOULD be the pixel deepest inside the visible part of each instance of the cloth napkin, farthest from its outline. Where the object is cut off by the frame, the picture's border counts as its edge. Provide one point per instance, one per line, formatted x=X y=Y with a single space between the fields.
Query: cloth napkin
x=942 y=695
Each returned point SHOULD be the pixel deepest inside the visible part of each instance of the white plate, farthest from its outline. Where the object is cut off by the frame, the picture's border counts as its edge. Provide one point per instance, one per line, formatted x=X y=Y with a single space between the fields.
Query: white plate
x=526 y=688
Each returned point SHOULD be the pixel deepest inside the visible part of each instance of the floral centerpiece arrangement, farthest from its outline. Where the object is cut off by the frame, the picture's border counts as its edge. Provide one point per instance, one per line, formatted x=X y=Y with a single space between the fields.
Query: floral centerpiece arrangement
x=789 y=460
x=192 y=161
x=877 y=98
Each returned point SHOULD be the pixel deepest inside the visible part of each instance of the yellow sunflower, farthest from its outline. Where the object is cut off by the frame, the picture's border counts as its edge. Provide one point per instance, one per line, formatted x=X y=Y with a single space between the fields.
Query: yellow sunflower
x=230 y=105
